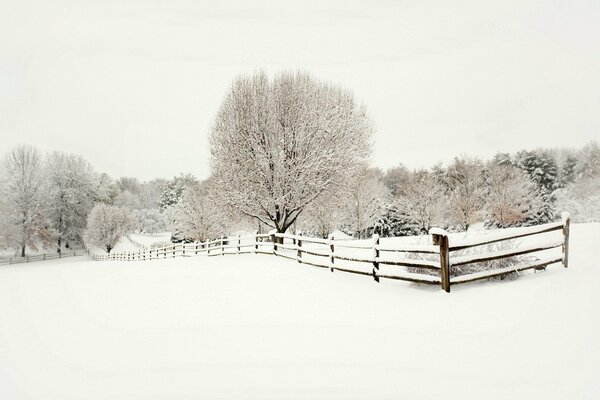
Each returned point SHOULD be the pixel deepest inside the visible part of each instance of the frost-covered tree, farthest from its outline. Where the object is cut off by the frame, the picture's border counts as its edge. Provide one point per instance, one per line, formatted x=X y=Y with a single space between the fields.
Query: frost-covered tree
x=512 y=199
x=581 y=199
x=465 y=182
x=322 y=216
x=73 y=188
x=365 y=202
x=128 y=199
x=25 y=198
x=172 y=192
x=106 y=225
x=541 y=166
x=567 y=172
x=108 y=190
x=149 y=220
x=589 y=161
x=422 y=203
x=198 y=216
x=278 y=144
x=150 y=193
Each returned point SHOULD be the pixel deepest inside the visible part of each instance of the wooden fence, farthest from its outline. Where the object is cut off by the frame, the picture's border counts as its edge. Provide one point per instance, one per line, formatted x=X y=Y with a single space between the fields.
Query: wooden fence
x=440 y=262
x=42 y=257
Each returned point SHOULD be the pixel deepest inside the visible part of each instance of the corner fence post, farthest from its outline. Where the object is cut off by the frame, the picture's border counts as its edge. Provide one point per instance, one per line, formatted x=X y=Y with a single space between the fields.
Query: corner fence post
x=299 y=252
x=566 y=220
x=222 y=250
x=376 y=257
x=440 y=238
x=255 y=242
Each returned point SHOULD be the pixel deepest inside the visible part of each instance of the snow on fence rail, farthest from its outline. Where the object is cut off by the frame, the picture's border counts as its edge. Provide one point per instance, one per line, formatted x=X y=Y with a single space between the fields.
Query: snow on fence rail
x=436 y=263
x=41 y=257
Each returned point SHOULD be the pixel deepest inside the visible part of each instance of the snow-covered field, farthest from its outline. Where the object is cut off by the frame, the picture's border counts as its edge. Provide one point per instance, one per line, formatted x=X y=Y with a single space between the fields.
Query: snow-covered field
x=262 y=327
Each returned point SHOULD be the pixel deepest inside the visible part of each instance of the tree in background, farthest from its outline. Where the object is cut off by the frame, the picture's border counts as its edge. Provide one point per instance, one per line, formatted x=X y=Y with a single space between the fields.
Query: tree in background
x=73 y=188
x=512 y=199
x=149 y=220
x=198 y=216
x=108 y=190
x=24 y=191
x=322 y=216
x=422 y=202
x=278 y=144
x=172 y=192
x=365 y=202
x=106 y=225
x=465 y=185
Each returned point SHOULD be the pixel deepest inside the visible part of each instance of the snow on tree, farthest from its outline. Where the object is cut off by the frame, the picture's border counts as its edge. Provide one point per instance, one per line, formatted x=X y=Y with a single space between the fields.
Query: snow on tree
x=465 y=181
x=149 y=220
x=72 y=192
x=365 y=202
x=396 y=179
x=198 y=216
x=108 y=190
x=567 y=172
x=172 y=192
x=322 y=216
x=589 y=161
x=106 y=225
x=127 y=199
x=541 y=166
x=24 y=193
x=512 y=198
x=422 y=202
x=150 y=193
x=278 y=144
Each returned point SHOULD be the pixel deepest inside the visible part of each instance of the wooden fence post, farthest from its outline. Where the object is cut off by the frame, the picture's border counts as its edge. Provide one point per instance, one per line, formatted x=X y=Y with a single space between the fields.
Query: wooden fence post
x=440 y=238
x=222 y=250
x=299 y=252
x=239 y=243
x=376 y=257
x=274 y=243
x=331 y=252
x=255 y=242
x=566 y=220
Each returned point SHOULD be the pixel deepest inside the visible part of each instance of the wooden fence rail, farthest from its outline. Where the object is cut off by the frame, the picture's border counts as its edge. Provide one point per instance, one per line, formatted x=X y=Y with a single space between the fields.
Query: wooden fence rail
x=42 y=257
x=436 y=263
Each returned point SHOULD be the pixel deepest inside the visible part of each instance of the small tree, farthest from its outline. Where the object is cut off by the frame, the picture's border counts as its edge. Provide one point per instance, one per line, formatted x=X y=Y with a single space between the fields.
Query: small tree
x=277 y=145
x=197 y=216
x=107 y=225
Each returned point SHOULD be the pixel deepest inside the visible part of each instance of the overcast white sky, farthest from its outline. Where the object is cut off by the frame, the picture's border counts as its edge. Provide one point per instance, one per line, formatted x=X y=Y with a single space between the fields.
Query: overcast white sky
x=133 y=86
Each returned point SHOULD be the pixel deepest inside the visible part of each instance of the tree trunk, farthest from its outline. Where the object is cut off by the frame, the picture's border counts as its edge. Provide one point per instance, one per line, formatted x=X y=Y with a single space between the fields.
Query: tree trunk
x=23 y=251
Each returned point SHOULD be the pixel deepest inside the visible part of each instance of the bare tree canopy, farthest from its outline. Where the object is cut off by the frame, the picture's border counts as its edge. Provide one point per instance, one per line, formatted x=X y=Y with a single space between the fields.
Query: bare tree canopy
x=278 y=144
x=24 y=192
x=106 y=225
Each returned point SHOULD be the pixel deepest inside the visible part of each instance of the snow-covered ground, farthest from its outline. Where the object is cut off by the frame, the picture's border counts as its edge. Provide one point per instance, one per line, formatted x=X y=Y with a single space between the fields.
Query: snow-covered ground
x=263 y=327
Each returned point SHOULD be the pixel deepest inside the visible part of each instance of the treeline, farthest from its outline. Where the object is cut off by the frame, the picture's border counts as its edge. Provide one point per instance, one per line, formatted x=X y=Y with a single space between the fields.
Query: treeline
x=520 y=189
x=46 y=200
x=290 y=152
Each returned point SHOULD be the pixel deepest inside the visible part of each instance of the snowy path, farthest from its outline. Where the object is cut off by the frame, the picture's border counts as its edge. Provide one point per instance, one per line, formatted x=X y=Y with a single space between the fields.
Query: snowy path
x=253 y=326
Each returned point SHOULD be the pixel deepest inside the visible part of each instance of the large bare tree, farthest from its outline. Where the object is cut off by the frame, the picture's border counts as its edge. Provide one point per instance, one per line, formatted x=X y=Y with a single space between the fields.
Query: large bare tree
x=278 y=144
